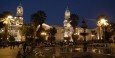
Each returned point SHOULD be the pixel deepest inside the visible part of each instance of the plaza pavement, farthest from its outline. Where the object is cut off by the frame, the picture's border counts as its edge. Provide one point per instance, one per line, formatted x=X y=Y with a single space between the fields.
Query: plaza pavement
x=12 y=53
x=46 y=52
x=7 y=52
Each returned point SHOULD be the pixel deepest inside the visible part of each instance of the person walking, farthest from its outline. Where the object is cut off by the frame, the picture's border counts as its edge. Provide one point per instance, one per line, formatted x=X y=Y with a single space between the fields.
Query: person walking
x=24 y=47
x=19 y=55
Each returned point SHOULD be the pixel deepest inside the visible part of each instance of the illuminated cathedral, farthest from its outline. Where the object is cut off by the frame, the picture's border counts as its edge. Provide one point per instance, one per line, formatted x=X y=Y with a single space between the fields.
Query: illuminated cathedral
x=15 y=24
x=68 y=29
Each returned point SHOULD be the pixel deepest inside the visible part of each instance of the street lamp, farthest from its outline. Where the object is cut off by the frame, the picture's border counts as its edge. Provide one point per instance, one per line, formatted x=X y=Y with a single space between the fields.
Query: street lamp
x=43 y=35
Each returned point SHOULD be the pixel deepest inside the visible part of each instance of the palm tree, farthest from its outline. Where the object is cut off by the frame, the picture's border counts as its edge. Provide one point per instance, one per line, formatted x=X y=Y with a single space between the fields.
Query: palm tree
x=112 y=28
x=102 y=23
x=1 y=17
x=11 y=39
x=1 y=22
x=23 y=30
x=110 y=31
x=38 y=18
x=7 y=13
x=1 y=25
x=4 y=19
x=52 y=31
x=74 y=22
x=27 y=30
x=101 y=17
x=29 y=34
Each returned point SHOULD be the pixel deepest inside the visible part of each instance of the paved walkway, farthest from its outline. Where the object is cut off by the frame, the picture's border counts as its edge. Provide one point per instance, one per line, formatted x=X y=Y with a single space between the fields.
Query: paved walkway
x=12 y=53
x=8 y=52
x=50 y=51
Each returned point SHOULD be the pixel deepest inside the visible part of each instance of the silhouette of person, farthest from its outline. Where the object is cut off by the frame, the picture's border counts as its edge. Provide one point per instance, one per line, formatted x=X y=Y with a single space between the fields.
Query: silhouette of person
x=19 y=54
x=24 y=47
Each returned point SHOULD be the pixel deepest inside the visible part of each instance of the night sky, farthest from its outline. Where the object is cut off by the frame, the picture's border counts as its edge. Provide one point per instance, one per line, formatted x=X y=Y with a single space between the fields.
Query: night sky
x=54 y=9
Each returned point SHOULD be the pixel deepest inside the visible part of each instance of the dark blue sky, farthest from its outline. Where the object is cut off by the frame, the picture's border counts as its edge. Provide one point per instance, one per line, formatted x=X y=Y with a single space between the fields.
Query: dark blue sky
x=54 y=9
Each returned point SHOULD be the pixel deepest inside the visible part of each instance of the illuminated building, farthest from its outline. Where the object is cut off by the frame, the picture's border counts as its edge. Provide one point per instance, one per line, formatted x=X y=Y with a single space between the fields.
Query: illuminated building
x=68 y=29
x=16 y=23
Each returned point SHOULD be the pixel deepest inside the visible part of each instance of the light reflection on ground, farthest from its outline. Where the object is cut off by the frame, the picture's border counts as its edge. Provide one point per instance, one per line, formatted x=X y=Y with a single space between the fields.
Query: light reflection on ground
x=68 y=51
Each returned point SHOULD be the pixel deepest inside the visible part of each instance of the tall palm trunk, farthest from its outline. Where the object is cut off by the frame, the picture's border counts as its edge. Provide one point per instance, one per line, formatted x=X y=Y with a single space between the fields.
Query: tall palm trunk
x=74 y=31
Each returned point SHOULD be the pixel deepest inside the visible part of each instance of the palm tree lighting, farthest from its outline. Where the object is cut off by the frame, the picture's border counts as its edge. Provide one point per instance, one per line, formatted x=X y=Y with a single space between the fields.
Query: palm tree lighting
x=102 y=22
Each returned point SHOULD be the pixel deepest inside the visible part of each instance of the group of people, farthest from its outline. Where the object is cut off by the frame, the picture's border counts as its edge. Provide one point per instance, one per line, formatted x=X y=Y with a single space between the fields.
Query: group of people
x=13 y=44
x=25 y=48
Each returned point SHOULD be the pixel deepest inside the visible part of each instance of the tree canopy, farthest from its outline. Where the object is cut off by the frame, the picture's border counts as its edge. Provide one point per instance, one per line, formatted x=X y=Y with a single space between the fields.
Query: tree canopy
x=38 y=18
x=74 y=20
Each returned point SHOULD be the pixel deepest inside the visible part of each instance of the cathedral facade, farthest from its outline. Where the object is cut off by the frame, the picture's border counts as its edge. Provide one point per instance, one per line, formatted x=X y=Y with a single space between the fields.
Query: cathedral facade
x=68 y=29
x=64 y=33
x=15 y=24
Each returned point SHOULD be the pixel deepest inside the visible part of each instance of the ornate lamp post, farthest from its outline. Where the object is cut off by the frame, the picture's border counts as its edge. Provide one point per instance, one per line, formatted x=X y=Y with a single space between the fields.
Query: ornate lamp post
x=84 y=34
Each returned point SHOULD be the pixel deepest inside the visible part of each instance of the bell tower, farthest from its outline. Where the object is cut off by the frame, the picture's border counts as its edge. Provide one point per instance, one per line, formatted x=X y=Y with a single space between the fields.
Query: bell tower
x=68 y=29
x=67 y=17
x=67 y=14
x=19 y=12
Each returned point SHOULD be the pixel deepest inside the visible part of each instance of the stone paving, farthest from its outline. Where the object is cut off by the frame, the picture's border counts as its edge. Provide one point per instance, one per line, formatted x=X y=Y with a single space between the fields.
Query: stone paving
x=8 y=52
x=55 y=52
x=50 y=52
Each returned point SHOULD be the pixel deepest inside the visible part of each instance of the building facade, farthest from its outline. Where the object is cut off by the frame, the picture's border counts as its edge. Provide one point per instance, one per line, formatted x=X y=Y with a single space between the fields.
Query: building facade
x=67 y=29
x=16 y=23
